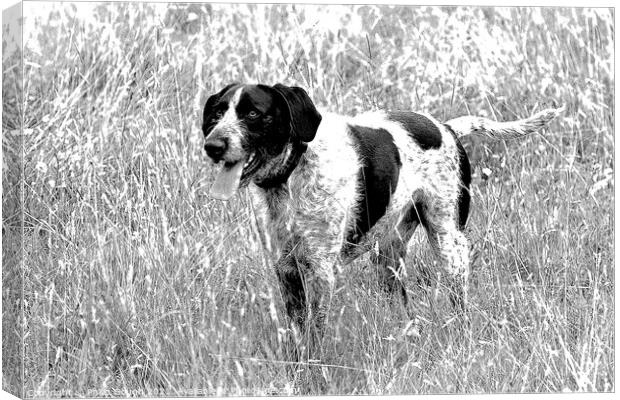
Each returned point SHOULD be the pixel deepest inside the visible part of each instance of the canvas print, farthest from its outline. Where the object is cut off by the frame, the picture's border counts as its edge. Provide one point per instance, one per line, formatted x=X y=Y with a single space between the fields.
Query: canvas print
x=228 y=199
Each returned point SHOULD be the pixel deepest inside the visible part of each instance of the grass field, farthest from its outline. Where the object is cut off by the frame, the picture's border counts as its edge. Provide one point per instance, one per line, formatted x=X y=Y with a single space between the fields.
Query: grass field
x=135 y=282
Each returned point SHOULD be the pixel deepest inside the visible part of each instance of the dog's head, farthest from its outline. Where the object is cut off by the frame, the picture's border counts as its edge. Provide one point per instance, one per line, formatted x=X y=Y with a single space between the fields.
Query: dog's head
x=247 y=127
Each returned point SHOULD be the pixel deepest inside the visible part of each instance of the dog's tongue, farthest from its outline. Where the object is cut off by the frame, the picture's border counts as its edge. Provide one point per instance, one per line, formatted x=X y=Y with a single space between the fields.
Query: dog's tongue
x=227 y=181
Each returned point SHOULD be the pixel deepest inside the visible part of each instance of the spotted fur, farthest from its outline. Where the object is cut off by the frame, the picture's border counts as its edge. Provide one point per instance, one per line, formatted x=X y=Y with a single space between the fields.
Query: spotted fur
x=346 y=185
x=503 y=130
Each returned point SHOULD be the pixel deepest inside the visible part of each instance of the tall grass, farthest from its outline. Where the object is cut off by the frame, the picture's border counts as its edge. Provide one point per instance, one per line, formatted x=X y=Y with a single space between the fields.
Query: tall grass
x=136 y=283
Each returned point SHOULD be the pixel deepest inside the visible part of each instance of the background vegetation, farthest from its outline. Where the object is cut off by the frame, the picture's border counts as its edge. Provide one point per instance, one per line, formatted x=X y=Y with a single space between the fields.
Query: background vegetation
x=136 y=283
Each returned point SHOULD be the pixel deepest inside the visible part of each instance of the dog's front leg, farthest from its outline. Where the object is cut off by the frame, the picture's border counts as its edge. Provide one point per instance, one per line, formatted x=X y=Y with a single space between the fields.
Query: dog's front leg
x=306 y=283
x=292 y=288
x=319 y=280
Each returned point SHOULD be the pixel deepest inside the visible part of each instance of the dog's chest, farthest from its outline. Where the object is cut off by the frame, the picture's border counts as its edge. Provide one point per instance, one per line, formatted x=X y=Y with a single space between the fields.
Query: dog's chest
x=318 y=200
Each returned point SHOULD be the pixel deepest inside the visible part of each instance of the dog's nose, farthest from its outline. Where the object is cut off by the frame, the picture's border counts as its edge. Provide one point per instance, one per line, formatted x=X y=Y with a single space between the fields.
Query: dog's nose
x=216 y=148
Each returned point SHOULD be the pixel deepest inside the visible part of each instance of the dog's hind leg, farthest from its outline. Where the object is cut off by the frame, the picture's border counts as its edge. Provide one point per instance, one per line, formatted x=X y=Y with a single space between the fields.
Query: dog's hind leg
x=392 y=249
x=451 y=248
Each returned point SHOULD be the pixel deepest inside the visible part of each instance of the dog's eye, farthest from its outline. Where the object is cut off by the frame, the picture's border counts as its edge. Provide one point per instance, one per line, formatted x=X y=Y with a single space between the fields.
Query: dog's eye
x=253 y=114
x=218 y=115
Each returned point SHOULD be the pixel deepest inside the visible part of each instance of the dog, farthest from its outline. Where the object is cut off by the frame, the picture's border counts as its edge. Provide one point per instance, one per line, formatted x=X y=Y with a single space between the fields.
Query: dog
x=334 y=187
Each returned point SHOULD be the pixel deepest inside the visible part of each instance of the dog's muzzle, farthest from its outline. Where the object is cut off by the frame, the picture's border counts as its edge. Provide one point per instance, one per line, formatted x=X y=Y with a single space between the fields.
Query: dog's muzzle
x=223 y=145
x=216 y=148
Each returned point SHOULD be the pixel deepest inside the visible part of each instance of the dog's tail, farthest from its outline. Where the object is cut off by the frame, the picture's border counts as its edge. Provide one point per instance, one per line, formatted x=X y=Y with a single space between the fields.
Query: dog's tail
x=468 y=125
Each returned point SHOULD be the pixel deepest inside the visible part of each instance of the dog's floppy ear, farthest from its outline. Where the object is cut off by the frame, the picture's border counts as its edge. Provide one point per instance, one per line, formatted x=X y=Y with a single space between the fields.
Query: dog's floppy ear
x=304 y=117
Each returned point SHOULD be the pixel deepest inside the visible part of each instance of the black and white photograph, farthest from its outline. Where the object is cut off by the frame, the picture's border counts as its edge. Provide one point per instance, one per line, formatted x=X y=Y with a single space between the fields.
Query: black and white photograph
x=212 y=199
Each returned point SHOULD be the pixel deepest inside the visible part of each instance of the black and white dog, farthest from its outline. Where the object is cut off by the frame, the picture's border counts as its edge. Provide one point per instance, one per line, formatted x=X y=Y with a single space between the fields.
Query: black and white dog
x=333 y=187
